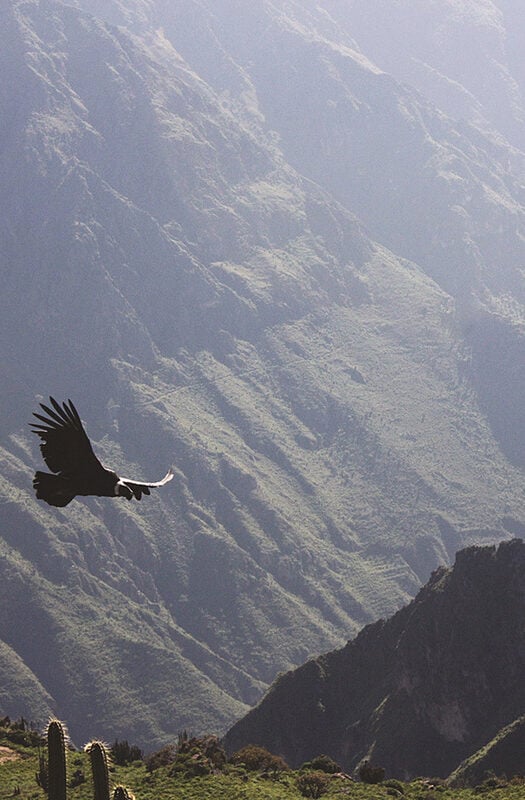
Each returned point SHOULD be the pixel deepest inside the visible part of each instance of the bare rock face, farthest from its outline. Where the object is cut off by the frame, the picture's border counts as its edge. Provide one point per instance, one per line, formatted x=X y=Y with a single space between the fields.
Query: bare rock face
x=418 y=693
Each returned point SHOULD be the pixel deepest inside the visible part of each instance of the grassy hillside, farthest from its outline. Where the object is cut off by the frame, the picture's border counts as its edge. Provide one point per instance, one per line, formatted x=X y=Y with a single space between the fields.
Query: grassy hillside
x=19 y=764
x=303 y=294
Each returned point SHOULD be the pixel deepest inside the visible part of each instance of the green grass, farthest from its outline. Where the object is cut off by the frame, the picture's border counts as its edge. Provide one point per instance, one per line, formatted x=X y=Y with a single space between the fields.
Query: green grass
x=17 y=779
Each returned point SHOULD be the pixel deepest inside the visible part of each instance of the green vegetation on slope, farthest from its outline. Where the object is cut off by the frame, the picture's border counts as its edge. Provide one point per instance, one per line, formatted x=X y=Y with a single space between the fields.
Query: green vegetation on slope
x=182 y=772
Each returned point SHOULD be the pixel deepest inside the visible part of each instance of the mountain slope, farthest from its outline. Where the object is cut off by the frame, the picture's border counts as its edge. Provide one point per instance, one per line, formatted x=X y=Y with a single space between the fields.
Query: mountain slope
x=459 y=55
x=502 y=756
x=416 y=693
x=445 y=192
x=210 y=300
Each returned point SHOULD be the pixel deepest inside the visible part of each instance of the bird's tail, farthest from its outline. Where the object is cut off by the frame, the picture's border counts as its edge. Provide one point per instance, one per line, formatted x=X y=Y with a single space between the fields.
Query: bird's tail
x=52 y=489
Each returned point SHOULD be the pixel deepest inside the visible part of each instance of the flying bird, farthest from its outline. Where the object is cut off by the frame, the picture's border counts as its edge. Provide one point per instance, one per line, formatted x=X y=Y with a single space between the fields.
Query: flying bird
x=68 y=453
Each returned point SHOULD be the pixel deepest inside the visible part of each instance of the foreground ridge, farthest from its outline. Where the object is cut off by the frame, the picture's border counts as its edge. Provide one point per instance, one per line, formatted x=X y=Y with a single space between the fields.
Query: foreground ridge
x=417 y=693
x=194 y=768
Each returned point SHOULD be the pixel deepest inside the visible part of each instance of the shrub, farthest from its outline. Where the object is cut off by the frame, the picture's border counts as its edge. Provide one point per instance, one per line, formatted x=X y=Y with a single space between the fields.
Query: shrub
x=20 y=732
x=313 y=784
x=253 y=757
x=394 y=784
x=198 y=756
x=490 y=783
x=370 y=774
x=122 y=753
x=322 y=763
x=209 y=747
x=188 y=765
x=161 y=758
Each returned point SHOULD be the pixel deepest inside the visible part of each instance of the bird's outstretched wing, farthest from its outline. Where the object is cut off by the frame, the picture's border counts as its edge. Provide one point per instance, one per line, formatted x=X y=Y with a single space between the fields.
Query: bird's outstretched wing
x=140 y=487
x=65 y=445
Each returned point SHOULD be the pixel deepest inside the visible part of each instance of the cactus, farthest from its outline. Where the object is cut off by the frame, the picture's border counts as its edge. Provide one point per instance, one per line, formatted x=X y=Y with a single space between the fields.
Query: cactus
x=56 y=749
x=42 y=776
x=52 y=777
x=99 y=767
x=122 y=794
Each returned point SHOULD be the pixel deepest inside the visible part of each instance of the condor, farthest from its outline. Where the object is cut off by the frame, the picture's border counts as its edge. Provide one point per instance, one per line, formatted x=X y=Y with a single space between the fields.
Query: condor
x=68 y=453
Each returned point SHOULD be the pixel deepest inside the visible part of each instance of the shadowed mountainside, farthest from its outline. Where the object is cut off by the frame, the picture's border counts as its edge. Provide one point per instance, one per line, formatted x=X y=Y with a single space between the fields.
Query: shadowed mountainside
x=416 y=693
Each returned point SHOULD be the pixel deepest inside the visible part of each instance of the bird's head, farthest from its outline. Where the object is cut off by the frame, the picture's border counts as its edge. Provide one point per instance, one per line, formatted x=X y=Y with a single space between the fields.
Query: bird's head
x=122 y=490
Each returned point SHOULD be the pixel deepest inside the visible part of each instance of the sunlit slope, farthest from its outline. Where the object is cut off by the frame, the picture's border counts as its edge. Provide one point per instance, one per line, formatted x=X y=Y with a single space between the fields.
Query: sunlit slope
x=207 y=307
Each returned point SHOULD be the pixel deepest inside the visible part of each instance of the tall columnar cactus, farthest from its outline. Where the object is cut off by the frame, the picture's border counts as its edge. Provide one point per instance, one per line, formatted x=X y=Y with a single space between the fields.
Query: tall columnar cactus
x=121 y=793
x=53 y=777
x=99 y=767
x=57 y=770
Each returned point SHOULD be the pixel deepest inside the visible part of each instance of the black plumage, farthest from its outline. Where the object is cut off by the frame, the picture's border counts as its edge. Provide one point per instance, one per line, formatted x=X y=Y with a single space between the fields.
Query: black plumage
x=68 y=453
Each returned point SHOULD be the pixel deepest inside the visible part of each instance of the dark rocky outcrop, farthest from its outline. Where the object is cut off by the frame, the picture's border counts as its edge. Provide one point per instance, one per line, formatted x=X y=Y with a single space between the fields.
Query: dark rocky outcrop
x=419 y=692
